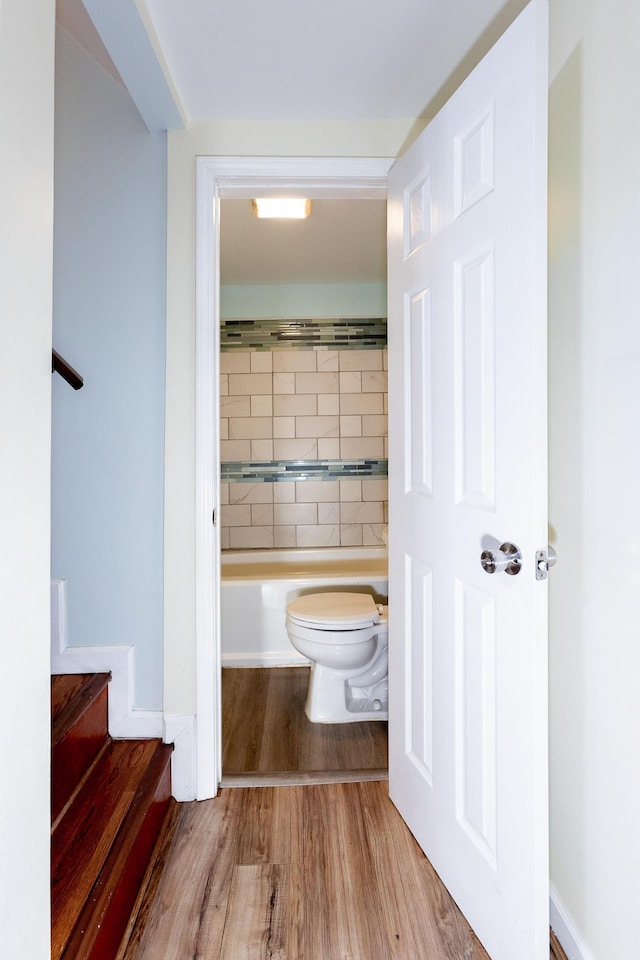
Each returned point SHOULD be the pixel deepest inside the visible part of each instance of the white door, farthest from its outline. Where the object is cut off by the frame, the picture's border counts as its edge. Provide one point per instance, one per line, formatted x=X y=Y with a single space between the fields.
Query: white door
x=467 y=390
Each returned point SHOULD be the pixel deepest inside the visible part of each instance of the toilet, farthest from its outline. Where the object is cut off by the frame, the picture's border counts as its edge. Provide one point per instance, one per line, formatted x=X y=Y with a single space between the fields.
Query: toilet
x=345 y=635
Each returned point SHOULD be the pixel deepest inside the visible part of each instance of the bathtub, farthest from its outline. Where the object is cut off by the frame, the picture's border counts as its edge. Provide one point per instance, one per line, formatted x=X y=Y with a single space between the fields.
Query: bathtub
x=257 y=585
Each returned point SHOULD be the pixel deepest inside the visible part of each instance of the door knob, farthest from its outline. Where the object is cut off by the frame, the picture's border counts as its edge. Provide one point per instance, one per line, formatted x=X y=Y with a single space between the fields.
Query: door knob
x=507 y=558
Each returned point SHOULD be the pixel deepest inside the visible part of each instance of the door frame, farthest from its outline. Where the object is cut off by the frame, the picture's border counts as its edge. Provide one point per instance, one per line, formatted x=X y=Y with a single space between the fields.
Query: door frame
x=239 y=178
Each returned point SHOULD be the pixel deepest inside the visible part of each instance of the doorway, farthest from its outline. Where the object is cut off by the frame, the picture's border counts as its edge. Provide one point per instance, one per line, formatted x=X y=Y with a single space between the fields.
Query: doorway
x=300 y=301
x=240 y=178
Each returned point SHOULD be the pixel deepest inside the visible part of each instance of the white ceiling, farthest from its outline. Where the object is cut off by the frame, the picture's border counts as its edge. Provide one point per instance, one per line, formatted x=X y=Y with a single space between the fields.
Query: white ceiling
x=343 y=241
x=291 y=59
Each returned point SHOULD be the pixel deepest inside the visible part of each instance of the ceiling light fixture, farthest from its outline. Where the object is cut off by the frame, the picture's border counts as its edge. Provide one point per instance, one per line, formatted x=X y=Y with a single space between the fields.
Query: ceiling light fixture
x=281 y=207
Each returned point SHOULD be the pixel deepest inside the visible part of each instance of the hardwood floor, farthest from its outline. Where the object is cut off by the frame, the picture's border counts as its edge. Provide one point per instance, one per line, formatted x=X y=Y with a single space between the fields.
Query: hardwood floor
x=265 y=731
x=299 y=873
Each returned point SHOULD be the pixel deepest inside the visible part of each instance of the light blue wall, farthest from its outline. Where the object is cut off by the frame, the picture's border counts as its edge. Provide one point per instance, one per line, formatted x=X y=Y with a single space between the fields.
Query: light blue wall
x=109 y=322
x=291 y=301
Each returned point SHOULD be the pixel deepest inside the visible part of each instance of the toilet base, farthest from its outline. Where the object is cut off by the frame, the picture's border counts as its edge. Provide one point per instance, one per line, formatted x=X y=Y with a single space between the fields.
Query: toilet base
x=336 y=696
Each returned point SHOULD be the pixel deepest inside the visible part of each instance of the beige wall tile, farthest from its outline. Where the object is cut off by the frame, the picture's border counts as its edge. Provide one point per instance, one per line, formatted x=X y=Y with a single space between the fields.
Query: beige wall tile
x=329 y=513
x=284 y=428
x=375 y=488
x=262 y=450
x=326 y=359
x=250 y=538
x=290 y=405
x=350 y=426
x=361 y=359
x=374 y=381
x=294 y=513
x=262 y=515
x=250 y=493
x=328 y=404
x=261 y=361
x=328 y=448
x=232 y=406
x=356 y=403
x=224 y=384
x=361 y=512
x=317 y=426
x=224 y=493
x=385 y=403
x=372 y=534
x=316 y=383
x=248 y=428
x=284 y=537
x=351 y=382
x=288 y=361
x=350 y=491
x=359 y=448
x=295 y=449
x=224 y=428
x=327 y=535
x=237 y=362
x=235 y=450
x=250 y=383
x=284 y=383
x=224 y=538
x=236 y=515
x=385 y=358
x=350 y=534
x=374 y=425
x=284 y=491
x=317 y=491
x=262 y=406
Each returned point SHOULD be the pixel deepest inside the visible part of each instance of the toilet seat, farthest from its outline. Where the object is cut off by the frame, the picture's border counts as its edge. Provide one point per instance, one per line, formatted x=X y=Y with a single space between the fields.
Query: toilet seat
x=337 y=611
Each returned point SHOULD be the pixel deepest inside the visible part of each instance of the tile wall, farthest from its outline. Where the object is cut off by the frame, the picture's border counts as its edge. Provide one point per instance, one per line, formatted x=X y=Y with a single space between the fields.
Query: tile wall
x=316 y=406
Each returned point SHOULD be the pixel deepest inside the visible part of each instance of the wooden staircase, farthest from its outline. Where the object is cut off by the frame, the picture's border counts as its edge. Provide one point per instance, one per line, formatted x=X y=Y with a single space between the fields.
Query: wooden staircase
x=109 y=799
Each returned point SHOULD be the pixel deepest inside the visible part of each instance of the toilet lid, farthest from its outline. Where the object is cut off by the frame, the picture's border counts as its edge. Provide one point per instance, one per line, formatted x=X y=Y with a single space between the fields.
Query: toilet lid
x=347 y=609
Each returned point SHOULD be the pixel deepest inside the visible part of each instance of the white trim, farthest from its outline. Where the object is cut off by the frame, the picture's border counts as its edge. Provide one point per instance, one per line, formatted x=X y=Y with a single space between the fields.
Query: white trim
x=124 y=721
x=265 y=660
x=180 y=731
x=564 y=929
x=349 y=177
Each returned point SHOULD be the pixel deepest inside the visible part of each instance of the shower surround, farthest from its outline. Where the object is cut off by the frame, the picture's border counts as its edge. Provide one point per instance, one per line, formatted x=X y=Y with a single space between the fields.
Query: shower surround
x=303 y=433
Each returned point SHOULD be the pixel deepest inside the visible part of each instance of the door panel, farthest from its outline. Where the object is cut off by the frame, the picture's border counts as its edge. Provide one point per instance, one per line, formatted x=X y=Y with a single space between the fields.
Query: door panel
x=467 y=393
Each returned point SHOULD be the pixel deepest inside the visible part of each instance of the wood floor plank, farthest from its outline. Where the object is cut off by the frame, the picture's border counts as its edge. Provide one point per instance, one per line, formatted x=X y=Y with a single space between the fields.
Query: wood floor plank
x=269 y=825
x=341 y=896
x=265 y=913
x=186 y=919
x=265 y=728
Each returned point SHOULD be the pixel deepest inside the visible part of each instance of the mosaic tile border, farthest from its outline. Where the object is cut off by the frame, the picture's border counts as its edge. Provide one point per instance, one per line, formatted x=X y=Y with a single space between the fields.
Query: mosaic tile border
x=276 y=471
x=274 y=334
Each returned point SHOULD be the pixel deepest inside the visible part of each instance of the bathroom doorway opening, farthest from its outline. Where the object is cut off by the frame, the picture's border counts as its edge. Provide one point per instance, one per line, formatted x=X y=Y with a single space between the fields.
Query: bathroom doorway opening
x=293 y=296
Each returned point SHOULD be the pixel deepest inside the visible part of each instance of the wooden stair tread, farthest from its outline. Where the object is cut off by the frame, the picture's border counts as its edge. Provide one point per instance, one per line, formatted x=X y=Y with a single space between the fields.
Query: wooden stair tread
x=98 y=832
x=71 y=697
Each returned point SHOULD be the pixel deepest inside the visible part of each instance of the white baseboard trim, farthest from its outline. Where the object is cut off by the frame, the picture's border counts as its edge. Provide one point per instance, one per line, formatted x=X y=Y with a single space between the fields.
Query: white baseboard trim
x=181 y=732
x=282 y=659
x=564 y=929
x=124 y=721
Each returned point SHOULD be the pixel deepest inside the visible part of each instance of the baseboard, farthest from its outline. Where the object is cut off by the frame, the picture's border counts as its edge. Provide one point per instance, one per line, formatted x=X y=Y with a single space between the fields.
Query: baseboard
x=277 y=659
x=564 y=929
x=180 y=731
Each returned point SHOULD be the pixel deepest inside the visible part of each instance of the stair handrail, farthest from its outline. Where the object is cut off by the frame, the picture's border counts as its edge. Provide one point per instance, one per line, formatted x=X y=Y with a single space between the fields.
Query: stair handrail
x=66 y=371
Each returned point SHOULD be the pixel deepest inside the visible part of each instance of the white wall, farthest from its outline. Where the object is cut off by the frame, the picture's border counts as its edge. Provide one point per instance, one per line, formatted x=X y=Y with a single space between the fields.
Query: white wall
x=109 y=321
x=228 y=138
x=595 y=471
x=26 y=212
x=293 y=300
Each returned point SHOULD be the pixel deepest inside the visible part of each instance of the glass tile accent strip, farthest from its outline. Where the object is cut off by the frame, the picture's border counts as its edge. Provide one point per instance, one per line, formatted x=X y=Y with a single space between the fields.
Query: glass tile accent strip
x=276 y=471
x=274 y=334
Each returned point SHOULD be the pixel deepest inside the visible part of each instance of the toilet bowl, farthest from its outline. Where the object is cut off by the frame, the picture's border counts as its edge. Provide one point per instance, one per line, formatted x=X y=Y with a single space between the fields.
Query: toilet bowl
x=345 y=637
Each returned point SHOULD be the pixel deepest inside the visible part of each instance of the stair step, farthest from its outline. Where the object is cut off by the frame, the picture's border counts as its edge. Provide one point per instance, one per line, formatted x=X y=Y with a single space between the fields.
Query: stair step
x=79 y=731
x=102 y=845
